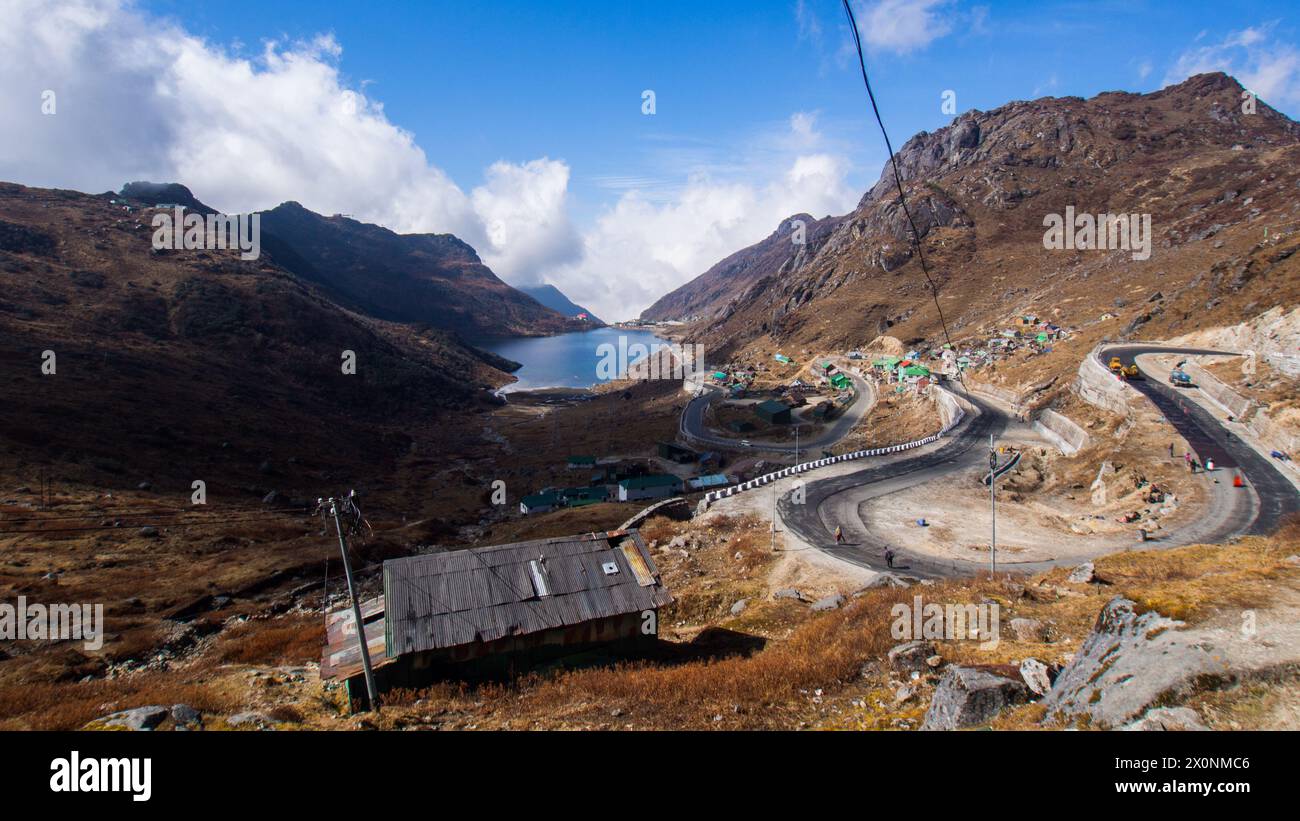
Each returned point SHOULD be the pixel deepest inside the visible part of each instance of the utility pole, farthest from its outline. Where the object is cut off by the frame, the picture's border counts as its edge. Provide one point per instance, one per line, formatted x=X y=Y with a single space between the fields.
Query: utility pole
x=993 y=502
x=356 y=611
x=796 y=446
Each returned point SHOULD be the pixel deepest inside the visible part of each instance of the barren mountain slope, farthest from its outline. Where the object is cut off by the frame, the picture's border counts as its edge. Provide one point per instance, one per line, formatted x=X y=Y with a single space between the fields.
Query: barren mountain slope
x=173 y=366
x=434 y=279
x=746 y=271
x=1221 y=186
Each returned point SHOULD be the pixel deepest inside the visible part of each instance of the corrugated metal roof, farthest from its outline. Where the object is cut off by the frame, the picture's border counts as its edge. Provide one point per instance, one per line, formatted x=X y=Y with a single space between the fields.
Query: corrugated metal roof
x=654 y=480
x=448 y=599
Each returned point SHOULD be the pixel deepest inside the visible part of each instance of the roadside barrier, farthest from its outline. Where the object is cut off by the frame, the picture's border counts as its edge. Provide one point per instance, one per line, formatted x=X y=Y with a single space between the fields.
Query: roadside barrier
x=715 y=495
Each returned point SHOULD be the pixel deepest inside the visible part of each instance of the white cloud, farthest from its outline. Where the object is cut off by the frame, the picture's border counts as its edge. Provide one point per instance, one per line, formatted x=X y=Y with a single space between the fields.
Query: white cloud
x=810 y=27
x=640 y=249
x=903 y=26
x=524 y=215
x=1255 y=56
x=138 y=98
x=142 y=98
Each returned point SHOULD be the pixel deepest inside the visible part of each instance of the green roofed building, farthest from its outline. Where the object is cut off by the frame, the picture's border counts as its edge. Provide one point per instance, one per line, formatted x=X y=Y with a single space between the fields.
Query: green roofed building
x=840 y=382
x=582 y=462
x=773 y=412
x=540 y=503
x=659 y=486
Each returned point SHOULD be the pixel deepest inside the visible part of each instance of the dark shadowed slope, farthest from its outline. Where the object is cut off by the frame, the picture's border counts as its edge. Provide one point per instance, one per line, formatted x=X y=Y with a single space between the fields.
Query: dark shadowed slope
x=434 y=279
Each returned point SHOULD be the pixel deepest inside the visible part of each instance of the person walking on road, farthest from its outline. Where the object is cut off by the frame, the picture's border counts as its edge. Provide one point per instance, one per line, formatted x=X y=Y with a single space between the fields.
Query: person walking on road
x=839 y=535
x=889 y=557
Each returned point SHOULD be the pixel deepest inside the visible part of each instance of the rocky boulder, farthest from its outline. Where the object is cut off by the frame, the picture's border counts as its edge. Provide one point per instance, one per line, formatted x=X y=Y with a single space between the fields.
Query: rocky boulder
x=138 y=718
x=891 y=580
x=909 y=657
x=967 y=696
x=1037 y=676
x=1127 y=662
x=185 y=716
x=1083 y=574
x=1029 y=630
x=1168 y=718
x=828 y=603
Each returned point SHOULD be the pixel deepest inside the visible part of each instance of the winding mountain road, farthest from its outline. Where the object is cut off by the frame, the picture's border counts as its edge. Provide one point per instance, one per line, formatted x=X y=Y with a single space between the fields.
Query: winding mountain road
x=836 y=502
x=1277 y=498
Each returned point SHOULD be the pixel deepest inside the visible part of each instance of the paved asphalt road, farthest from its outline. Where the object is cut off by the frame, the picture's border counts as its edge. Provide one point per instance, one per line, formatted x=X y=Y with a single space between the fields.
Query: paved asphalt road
x=1278 y=498
x=692 y=423
x=835 y=501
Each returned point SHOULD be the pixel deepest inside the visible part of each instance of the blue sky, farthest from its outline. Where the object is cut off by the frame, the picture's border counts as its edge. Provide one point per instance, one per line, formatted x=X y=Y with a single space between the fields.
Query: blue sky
x=518 y=79
x=519 y=125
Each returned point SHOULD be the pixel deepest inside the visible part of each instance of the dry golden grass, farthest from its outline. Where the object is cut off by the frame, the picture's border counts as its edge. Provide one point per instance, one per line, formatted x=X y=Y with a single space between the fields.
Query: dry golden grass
x=895 y=418
x=295 y=640
x=768 y=689
x=1192 y=583
x=47 y=706
x=777 y=665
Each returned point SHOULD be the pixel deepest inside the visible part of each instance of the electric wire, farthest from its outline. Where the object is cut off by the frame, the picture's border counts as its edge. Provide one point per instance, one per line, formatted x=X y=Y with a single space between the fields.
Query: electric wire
x=898 y=181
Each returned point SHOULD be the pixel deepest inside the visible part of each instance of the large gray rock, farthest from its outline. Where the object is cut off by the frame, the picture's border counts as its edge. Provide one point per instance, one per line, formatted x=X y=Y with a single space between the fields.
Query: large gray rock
x=891 y=580
x=788 y=593
x=1083 y=574
x=829 y=603
x=184 y=714
x=1037 y=676
x=1169 y=718
x=739 y=607
x=909 y=657
x=1029 y=630
x=1126 y=663
x=138 y=718
x=967 y=696
x=242 y=719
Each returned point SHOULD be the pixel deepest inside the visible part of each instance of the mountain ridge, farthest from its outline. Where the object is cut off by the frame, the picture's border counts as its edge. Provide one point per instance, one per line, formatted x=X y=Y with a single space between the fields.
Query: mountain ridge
x=558 y=301
x=979 y=190
x=437 y=280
